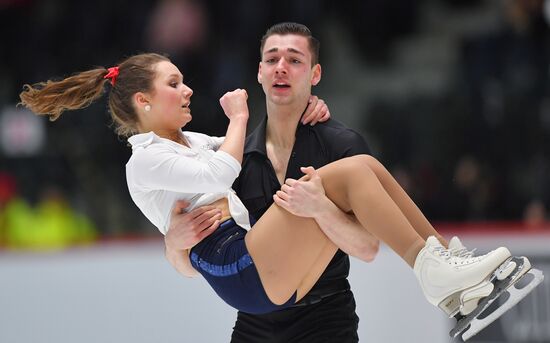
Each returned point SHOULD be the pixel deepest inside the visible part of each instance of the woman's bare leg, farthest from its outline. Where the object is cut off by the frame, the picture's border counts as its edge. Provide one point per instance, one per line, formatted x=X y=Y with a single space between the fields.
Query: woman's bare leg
x=353 y=186
x=403 y=201
x=290 y=252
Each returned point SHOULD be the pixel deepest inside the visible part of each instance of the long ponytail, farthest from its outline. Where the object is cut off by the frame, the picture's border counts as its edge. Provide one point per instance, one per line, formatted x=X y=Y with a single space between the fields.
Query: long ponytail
x=135 y=74
x=51 y=98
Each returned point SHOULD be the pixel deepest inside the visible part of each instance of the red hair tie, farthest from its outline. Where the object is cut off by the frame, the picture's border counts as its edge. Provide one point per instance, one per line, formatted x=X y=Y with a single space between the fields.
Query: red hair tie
x=112 y=75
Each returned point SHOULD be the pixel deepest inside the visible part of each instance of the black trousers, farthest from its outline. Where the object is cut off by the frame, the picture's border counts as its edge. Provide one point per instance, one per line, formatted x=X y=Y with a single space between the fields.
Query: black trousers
x=331 y=320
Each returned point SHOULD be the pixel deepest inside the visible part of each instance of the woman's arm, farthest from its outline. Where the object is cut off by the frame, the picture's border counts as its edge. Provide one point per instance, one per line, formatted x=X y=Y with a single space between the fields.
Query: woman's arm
x=158 y=167
x=316 y=112
x=236 y=109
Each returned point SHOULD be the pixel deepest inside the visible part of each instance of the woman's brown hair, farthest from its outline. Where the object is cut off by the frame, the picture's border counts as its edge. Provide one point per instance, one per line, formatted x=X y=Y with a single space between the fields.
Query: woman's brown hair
x=136 y=74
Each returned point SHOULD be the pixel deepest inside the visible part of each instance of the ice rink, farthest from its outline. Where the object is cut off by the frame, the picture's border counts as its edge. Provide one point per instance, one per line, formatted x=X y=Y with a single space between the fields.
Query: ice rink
x=127 y=292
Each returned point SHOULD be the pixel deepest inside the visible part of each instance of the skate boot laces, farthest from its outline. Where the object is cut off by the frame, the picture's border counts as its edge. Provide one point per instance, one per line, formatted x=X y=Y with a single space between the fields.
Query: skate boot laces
x=458 y=249
x=457 y=257
x=463 y=252
x=442 y=252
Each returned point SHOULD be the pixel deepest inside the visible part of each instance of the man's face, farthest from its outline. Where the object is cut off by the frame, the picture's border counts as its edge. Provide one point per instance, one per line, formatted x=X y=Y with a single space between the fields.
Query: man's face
x=285 y=72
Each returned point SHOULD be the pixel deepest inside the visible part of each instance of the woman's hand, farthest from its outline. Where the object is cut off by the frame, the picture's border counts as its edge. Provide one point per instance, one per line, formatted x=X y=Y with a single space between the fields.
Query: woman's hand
x=316 y=112
x=235 y=105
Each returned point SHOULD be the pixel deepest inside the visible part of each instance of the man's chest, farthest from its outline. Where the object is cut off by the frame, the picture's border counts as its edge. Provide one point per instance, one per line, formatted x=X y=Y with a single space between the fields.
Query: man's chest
x=279 y=159
x=259 y=180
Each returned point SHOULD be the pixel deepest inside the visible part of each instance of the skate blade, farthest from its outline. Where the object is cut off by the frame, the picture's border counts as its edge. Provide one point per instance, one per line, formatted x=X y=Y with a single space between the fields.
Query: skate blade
x=522 y=265
x=516 y=295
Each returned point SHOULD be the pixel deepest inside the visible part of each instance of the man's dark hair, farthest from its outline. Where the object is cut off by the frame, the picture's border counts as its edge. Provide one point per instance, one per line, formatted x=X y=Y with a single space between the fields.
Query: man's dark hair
x=294 y=29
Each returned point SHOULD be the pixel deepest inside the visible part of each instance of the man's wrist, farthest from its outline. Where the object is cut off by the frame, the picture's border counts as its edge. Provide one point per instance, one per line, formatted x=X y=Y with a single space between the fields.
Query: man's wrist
x=171 y=251
x=325 y=208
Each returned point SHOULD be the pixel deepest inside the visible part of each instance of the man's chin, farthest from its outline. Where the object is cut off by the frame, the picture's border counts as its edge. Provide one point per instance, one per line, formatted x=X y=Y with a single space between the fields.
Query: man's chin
x=281 y=100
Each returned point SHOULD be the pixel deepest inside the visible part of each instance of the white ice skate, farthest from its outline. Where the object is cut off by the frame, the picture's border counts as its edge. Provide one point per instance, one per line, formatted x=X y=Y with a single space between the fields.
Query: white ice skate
x=455 y=283
x=514 y=277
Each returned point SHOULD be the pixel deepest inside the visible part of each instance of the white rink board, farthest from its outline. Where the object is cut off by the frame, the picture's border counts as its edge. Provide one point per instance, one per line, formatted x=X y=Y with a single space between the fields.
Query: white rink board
x=129 y=293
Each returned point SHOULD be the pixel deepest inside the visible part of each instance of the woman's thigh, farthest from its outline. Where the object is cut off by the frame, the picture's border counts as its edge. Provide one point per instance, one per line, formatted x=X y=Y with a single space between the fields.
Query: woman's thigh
x=288 y=250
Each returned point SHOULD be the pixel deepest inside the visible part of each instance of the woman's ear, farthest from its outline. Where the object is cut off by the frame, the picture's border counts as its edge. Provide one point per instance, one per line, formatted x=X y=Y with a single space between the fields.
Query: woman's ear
x=141 y=100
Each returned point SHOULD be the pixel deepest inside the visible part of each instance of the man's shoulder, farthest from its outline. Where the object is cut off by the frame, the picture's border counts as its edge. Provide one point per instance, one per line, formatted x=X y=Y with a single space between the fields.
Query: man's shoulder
x=339 y=140
x=333 y=128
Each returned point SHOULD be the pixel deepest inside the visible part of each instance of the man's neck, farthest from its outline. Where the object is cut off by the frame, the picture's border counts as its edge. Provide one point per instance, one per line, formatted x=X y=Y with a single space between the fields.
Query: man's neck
x=281 y=127
x=282 y=122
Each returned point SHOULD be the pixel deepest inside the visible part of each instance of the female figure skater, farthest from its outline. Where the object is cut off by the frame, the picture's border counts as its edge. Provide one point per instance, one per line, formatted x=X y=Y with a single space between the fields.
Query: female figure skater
x=272 y=264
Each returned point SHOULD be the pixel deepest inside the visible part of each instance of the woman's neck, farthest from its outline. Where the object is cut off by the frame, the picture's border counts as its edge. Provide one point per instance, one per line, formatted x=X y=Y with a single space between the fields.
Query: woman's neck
x=175 y=136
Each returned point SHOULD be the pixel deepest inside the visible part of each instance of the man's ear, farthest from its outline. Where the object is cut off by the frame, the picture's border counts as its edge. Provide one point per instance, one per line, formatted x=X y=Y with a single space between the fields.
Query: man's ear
x=260 y=73
x=316 y=77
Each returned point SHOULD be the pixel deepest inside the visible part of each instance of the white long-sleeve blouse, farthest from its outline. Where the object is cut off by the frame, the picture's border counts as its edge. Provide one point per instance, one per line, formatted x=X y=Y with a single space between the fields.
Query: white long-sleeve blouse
x=161 y=171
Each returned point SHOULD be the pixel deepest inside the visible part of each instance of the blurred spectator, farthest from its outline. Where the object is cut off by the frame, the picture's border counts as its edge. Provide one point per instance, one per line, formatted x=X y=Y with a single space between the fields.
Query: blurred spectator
x=53 y=224
x=534 y=214
x=497 y=112
x=22 y=134
x=181 y=28
x=403 y=177
x=57 y=224
x=178 y=27
x=8 y=190
x=376 y=24
x=470 y=193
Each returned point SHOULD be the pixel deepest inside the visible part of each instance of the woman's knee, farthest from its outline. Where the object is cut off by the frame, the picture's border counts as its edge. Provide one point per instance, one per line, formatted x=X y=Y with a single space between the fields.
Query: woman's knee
x=373 y=164
x=369 y=160
x=364 y=165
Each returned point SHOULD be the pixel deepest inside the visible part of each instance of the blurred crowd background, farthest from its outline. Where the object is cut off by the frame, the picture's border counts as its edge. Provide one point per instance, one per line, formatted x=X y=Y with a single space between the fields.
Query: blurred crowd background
x=452 y=95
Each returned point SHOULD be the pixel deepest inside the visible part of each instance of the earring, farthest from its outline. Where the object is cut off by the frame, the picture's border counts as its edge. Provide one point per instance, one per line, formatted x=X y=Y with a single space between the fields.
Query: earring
x=147 y=108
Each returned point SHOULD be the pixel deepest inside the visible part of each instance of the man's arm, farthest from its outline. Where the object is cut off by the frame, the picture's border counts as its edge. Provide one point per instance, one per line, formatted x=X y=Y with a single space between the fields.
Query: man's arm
x=187 y=230
x=181 y=262
x=345 y=231
x=306 y=198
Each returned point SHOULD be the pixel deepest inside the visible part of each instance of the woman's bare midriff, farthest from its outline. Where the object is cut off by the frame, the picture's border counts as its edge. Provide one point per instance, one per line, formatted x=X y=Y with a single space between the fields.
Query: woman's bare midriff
x=223 y=205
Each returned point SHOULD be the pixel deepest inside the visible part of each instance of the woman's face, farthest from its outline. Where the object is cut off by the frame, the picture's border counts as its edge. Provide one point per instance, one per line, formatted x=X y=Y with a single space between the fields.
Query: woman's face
x=169 y=100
